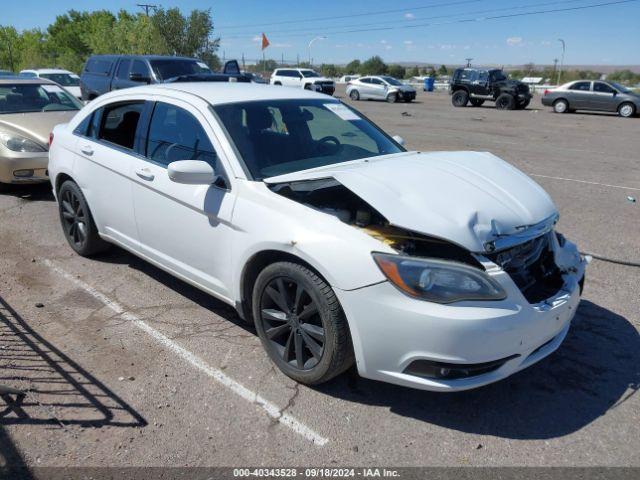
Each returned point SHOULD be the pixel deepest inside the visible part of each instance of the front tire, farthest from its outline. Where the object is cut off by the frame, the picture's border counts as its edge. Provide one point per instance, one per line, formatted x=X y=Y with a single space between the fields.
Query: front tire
x=627 y=110
x=505 y=102
x=392 y=98
x=460 y=98
x=300 y=323
x=561 y=106
x=77 y=222
x=354 y=95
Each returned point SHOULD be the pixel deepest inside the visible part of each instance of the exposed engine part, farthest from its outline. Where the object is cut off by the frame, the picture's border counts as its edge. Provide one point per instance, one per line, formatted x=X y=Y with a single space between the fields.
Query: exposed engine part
x=532 y=267
x=331 y=197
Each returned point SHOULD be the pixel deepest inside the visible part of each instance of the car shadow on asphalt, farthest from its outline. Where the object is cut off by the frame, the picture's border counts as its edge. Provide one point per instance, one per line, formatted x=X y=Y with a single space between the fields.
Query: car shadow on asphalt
x=59 y=392
x=596 y=369
x=120 y=256
x=37 y=192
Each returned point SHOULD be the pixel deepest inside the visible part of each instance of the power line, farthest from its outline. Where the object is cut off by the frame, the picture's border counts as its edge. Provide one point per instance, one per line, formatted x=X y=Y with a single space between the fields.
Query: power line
x=467 y=20
x=147 y=7
x=450 y=15
x=379 y=12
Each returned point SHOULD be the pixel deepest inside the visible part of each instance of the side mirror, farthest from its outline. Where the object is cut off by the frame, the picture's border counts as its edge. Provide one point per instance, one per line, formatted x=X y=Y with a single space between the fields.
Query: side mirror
x=191 y=172
x=398 y=139
x=138 y=77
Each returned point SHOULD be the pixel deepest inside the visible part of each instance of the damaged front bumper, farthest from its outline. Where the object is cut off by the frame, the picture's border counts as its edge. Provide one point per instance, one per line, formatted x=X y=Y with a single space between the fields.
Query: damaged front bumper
x=459 y=346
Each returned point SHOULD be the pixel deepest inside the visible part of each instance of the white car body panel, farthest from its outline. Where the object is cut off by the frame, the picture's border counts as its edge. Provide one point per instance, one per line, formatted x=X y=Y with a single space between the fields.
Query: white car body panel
x=481 y=209
x=75 y=91
x=206 y=235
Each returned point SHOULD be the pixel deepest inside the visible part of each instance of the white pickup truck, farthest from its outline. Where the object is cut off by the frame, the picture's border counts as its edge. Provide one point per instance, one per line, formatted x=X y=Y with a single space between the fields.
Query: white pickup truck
x=303 y=78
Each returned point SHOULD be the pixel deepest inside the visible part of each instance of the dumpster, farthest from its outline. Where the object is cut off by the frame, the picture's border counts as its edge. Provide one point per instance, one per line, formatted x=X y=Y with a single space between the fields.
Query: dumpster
x=428 y=84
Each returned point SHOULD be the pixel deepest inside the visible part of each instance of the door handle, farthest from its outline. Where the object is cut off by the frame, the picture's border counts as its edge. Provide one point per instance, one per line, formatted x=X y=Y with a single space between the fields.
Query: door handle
x=145 y=174
x=87 y=150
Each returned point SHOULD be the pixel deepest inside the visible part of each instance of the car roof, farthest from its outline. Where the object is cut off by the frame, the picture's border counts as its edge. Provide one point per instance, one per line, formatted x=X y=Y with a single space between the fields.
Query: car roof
x=218 y=93
x=148 y=57
x=47 y=70
x=25 y=81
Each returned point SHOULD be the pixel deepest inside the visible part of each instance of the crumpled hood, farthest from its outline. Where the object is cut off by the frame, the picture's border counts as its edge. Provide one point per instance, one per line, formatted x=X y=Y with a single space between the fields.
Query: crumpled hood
x=468 y=198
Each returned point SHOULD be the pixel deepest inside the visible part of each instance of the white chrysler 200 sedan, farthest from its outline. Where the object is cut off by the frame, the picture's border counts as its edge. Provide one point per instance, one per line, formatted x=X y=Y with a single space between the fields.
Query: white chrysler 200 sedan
x=441 y=270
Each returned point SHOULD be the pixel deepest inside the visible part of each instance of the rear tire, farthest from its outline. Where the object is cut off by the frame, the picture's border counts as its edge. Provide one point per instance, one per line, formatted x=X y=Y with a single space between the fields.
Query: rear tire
x=354 y=95
x=505 y=102
x=392 y=98
x=300 y=323
x=476 y=102
x=460 y=98
x=627 y=110
x=561 y=106
x=77 y=222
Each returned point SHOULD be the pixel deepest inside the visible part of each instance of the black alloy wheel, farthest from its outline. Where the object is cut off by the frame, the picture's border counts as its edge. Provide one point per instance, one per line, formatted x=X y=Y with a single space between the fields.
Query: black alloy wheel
x=74 y=218
x=292 y=323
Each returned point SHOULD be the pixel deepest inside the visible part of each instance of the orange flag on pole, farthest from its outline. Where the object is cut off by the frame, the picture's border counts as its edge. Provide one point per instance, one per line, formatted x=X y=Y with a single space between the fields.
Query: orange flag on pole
x=265 y=41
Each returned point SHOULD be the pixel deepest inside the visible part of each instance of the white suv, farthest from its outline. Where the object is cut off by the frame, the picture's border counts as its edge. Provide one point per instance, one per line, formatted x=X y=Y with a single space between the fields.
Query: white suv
x=303 y=78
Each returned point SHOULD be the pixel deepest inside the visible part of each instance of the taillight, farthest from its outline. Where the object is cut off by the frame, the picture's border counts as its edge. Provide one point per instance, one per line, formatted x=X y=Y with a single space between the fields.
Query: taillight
x=546 y=92
x=50 y=139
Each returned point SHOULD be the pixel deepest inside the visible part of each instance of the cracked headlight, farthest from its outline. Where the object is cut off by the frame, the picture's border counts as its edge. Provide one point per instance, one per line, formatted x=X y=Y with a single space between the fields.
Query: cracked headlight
x=17 y=143
x=438 y=281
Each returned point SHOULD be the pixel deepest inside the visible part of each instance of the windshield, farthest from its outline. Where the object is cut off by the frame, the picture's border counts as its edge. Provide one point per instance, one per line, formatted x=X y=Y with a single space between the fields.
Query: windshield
x=169 y=68
x=392 y=81
x=621 y=88
x=31 y=97
x=308 y=73
x=275 y=137
x=64 y=79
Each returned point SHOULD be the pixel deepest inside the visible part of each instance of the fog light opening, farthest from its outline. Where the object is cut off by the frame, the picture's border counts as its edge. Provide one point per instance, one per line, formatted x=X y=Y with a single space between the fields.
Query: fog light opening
x=26 y=173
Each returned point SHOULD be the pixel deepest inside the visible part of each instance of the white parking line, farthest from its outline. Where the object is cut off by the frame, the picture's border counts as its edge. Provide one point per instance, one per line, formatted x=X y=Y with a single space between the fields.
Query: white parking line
x=272 y=410
x=584 y=181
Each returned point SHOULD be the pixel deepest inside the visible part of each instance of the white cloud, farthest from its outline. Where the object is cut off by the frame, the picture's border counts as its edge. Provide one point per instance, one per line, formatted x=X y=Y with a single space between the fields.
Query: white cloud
x=408 y=42
x=545 y=43
x=384 y=42
x=388 y=47
x=409 y=16
x=256 y=38
x=467 y=47
x=514 y=41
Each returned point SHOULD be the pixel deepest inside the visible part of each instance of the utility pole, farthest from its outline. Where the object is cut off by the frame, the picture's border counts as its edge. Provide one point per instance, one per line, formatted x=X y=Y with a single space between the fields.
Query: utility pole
x=468 y=61
x=244 y=67
x=147 y=7
x=555 y=66
x=561 y=59
x=297 y=60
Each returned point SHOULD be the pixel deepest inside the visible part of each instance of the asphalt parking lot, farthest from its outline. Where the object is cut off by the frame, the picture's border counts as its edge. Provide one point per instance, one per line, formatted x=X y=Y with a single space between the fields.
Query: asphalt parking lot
x=125 y=365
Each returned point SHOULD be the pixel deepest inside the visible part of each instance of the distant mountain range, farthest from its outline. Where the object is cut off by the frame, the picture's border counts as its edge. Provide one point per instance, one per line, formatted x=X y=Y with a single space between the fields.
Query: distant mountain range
x=595 y=68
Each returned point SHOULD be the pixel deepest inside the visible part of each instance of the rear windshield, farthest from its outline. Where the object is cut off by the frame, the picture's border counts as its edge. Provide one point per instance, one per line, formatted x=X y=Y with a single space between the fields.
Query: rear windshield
x=25 y=98
x=169 y=68
x=64 y=79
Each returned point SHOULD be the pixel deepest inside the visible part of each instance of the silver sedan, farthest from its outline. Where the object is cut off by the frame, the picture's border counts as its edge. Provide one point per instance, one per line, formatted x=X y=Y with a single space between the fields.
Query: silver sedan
x=595 y=95
x=381 y=87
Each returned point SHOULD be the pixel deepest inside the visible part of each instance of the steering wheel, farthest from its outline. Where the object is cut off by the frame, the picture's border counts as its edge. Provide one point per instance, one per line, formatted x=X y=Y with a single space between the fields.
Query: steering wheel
x=330 y=143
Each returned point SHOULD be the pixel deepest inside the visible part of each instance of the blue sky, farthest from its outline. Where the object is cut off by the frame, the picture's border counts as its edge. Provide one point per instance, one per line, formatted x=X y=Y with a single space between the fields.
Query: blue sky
x=605 y=35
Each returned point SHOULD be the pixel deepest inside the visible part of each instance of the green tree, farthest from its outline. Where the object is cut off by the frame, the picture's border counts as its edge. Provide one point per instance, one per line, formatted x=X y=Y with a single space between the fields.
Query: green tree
x=9 y=48
x=329 y=70
x=190 y=36
x=396 y=71
x=373 y=66
x=352 y=67
x=443 y=70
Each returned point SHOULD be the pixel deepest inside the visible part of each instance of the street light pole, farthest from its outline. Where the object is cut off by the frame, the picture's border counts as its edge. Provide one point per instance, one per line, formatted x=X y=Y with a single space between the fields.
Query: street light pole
x=561 y=59
x=311 y=43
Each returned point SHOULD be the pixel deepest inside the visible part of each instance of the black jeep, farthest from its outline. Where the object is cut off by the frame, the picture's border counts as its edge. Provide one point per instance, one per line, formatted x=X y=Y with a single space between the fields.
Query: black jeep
x=476 y=85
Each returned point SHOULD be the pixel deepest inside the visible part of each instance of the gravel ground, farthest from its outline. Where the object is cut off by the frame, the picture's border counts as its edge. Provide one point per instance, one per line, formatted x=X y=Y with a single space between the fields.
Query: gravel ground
x=162 y=383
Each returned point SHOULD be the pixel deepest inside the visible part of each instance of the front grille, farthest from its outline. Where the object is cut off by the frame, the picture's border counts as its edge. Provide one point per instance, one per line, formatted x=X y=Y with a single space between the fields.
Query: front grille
x=532 y=268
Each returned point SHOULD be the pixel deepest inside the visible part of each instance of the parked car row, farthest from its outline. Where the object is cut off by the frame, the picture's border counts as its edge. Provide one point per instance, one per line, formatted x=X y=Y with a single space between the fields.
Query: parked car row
x=594 y=95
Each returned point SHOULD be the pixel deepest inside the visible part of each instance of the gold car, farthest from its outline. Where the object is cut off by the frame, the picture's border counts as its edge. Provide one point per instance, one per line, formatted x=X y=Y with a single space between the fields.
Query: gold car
x=29 y=109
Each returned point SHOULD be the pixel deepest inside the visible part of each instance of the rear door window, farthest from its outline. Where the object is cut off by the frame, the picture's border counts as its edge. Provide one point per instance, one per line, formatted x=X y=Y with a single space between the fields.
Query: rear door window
x=119 y=124
x=582 y=86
